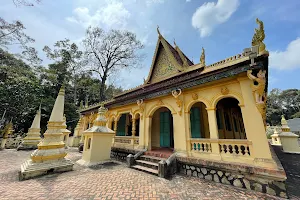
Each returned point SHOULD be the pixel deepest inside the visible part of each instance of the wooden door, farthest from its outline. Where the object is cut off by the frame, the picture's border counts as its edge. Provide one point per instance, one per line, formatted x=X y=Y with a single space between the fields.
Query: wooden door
x=165 y=129
x=121 y=126
x=195 y=122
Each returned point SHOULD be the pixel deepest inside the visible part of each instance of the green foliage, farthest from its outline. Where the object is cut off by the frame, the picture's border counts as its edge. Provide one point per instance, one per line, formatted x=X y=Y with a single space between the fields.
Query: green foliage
x=286 y=102
x=20 y=91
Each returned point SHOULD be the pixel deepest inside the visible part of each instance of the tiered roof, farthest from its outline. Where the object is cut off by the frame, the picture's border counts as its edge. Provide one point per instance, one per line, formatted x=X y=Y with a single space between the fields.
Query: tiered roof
x=183 y=73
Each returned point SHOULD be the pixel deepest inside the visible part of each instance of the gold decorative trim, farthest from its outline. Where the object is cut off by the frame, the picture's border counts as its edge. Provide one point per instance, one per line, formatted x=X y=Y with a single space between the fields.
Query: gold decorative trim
x=51 y=146
x=259 y=36
x=211 y=109
x=194 y=96
x=224 y=90
x=258 y=89
x=238 y=96
x=159 y=105
x=202 y=58
x=50 y=157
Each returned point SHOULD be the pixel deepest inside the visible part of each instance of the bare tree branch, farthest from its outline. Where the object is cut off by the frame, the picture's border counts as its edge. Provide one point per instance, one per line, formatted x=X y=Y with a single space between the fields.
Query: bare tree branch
x=108 y=52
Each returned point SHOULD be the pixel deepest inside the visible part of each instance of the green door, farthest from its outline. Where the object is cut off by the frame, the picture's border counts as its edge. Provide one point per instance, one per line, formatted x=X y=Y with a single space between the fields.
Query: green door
x=165 y=129
x=195 y=122
x=121 y=125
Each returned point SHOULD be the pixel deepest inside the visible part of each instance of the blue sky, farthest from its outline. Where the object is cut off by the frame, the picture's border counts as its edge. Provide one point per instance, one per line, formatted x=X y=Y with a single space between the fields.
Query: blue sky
x=223 y=27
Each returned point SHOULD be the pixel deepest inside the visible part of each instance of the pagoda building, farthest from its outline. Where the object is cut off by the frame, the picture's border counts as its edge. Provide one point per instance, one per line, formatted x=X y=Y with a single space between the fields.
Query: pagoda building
x=211 y=116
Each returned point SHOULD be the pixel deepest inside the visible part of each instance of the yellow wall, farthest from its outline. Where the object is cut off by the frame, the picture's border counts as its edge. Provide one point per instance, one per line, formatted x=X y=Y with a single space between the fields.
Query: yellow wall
x=237 y=87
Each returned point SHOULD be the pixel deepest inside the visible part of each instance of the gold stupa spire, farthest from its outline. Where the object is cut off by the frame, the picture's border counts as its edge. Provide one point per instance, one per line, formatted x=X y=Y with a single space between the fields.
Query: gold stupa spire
x=284 y=124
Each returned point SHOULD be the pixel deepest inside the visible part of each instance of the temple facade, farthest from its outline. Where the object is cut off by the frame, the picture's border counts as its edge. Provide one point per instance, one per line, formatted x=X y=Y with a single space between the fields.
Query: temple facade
x=202 y=112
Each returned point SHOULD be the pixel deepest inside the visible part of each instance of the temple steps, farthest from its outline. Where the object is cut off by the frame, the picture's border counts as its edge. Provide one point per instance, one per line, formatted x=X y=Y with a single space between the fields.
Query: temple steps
x=151 y=158
x=148 y=164
x=146 y=169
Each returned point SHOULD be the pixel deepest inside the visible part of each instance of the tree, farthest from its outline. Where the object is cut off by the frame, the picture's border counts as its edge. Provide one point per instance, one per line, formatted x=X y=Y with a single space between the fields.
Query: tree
x=13 y=34
x=68 y=56
x=108 y=52
x=20 y=91
x=286 y=102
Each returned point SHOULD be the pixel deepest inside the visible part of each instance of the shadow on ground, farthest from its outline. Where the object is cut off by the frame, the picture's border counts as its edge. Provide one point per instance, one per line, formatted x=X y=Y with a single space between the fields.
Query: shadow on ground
x=107 y=165
x=291 y=165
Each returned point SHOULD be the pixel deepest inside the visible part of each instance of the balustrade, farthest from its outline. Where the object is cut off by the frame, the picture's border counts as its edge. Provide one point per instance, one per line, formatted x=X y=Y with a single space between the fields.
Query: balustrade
x=235 y=147
x=201 y=145
x=123 y=141
x=226 y=146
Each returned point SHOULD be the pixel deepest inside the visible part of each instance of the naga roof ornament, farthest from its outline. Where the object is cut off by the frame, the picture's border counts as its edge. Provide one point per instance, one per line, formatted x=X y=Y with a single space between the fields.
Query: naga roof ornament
x=259 y=36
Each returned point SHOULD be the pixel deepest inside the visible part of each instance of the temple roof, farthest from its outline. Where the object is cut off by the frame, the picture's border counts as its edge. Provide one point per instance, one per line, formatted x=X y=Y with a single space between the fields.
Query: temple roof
x=167 y=60
x=171 y=69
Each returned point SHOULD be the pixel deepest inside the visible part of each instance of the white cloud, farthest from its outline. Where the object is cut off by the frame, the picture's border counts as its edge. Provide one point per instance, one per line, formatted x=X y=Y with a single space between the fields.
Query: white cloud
x=288 y=59
x=211 y=14
x=114 y=14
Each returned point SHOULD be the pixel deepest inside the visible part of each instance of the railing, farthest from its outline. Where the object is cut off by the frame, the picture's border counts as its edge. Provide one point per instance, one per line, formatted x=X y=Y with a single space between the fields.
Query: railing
x=235 y=147
x=123 y=139
x=167 y=167
x=136 y=141
x=132 y=158
x=126 y=141
x=226 y=146
x=201 y=145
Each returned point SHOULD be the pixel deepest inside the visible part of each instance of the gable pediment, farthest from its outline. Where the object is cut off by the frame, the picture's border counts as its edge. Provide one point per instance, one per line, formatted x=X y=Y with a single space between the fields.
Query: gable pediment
x=163 y=66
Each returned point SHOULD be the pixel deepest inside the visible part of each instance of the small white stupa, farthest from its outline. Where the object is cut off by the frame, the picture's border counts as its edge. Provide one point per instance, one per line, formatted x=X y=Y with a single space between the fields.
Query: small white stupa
x=288 y=139
x=276 y=138
x=50 y=155
x=97 y=141
x=33 y=136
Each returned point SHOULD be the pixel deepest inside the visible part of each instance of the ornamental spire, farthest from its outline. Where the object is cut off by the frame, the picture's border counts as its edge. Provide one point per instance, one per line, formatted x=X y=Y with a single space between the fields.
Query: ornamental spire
x=37 y=119
x=57 y=113
x=158 y=31
x=202 y=57
x=284 y=124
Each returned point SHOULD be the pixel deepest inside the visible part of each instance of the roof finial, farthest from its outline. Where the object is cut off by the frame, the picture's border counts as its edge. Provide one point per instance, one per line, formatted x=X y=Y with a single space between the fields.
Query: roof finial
x=175 y=43
x=202 y=57
x=158 y=31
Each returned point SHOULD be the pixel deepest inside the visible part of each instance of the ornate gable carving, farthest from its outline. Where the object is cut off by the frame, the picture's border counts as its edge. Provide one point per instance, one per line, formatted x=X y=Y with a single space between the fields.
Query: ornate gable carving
x=163 y=66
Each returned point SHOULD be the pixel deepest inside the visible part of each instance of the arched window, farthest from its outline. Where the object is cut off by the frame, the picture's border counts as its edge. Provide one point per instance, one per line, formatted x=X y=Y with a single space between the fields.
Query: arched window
x=199 y=121
x=230 y=120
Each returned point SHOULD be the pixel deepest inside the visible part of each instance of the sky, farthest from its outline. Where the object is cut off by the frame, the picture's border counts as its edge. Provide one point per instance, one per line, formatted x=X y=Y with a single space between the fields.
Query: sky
x=223 y=27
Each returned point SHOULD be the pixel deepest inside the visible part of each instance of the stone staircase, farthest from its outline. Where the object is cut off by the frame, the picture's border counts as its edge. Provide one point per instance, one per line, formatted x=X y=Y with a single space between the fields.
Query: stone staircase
x=148 y=163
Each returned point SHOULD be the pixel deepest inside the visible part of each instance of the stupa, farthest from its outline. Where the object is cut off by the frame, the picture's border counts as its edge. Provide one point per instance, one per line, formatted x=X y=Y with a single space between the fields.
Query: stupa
x=33 y=137
x=288 y=139
x=50 y=155
x=97 y=141
x=65 y=131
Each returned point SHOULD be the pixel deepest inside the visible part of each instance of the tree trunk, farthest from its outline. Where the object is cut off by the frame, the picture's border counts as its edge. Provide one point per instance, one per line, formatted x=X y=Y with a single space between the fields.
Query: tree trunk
x=75 y=91
x=102 y=87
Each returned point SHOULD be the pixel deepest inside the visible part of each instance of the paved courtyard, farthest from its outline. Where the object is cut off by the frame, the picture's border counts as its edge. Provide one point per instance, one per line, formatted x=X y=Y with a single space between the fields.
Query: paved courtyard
x=113 y=181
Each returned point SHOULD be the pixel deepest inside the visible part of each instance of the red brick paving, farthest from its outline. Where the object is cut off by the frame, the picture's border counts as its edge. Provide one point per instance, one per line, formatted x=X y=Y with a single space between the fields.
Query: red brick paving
x=114 y=181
